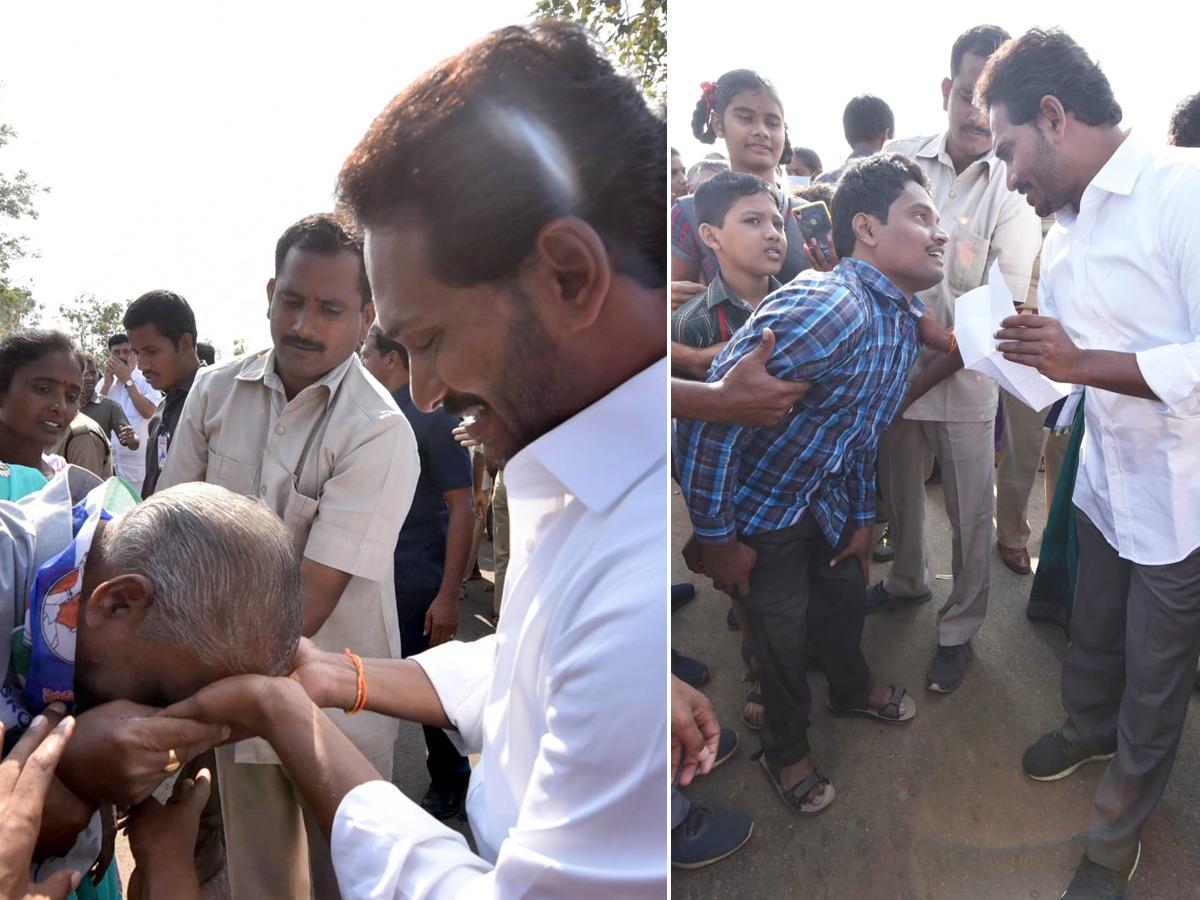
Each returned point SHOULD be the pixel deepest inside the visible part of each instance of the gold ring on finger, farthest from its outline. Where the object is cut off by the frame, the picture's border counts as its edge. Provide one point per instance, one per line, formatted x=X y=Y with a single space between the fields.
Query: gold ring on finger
x=173 y=763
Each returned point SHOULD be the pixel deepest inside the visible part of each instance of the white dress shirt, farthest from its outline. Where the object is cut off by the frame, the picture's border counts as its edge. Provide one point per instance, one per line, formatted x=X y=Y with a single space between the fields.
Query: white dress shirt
x=567 y=702
x=131 y=464
x=1124 y=274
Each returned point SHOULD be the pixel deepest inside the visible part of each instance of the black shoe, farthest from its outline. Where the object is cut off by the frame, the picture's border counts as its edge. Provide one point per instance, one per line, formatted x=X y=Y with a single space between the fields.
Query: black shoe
x=707 y=835
x=731 y=620
x=688 y=670
x=725 y=747
x=1093 y=881
x=681 y=594
x=444 y=804
x=880 y=598
x=1053 y=757
x=948 y=667
x=884 y=549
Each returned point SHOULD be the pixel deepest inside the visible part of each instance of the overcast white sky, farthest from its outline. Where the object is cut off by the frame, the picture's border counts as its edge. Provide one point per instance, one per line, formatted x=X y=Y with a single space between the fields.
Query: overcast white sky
x=901 y=52
x=179 y=143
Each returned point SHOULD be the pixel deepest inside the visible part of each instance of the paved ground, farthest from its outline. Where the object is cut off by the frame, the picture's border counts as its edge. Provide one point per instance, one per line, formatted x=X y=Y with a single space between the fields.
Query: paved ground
x=938 y=809
x=409 y=772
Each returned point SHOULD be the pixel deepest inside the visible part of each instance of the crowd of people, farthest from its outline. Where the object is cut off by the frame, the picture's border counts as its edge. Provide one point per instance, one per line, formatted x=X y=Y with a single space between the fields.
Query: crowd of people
x=1091 y=227
x=245 y=574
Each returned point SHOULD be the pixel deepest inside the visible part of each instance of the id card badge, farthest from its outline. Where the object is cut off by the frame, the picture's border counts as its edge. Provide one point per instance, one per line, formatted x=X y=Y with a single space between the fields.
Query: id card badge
x=162 y=450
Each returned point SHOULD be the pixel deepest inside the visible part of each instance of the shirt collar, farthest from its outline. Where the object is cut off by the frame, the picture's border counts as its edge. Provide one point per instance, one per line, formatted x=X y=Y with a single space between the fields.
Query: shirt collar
x=718 y=292
x=598 y=454
x=1117 y=176
x=878 y=283
x=262 y=368
x=935 y=148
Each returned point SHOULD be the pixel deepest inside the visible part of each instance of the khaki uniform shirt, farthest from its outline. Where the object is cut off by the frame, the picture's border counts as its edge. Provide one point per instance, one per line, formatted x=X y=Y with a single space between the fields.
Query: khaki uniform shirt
x=338 y=463
x=985 y=221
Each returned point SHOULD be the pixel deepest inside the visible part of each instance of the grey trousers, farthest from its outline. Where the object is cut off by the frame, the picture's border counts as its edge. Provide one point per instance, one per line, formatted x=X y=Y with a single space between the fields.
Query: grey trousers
x=1022 y=446
x=1127 y=676
x=965 y=451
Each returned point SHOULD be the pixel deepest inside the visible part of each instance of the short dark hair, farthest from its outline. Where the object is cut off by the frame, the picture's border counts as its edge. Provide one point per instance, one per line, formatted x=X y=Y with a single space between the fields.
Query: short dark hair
x=26 y=345
x=864 y=117
x=165 y=310
x=327 y=233
x=1185 y=122
x=714 y=197
x=809 y=157
x=870 y=184
x=982 y=40
x=207 y=353
x=385 y=345
x=119 y=338
x=818 y=191
x=717 y=99
x=1038 y=63
x=567 y=135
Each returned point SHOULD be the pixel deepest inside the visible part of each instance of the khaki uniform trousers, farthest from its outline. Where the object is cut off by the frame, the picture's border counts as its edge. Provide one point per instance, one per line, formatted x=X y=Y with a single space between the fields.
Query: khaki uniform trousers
x=966 y=453
x=263 y=810
x=1022 y=446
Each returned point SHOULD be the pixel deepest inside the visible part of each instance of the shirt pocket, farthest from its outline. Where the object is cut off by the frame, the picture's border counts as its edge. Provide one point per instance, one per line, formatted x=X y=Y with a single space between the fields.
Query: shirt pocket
x=229 y=473
x=967 y=254
x=299 y=511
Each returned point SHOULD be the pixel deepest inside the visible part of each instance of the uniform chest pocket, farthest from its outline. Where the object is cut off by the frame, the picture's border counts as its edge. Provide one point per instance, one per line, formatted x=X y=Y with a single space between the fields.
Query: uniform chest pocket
x=229 y=473
x=298 y=514
x=966 y=256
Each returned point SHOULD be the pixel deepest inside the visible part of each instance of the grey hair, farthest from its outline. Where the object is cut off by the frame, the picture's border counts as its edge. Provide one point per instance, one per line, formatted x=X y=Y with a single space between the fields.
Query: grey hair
x=225 y=573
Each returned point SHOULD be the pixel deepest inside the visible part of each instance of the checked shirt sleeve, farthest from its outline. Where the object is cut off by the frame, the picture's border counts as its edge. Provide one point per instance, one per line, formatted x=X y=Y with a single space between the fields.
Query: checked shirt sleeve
x=709 y=457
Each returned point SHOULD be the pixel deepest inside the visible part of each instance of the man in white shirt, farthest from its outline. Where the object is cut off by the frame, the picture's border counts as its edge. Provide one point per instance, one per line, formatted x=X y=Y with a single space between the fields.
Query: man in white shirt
x=1120 y=311
x=954 y=415
x=124 y=383
x=537 y=311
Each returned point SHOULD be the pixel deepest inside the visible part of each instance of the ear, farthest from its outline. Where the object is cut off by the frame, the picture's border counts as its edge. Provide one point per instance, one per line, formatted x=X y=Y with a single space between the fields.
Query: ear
x=710 y=236
x=368 y=319
x=1051 y=110
x=186 y=344
x=571 y=269
x=122 y=600
x=947 y=84
x=270 y=295
x=864 y=226
x=717 y=126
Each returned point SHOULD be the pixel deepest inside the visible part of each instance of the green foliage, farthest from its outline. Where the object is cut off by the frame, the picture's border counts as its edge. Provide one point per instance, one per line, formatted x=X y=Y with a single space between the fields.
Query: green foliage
x=18 y=309
x=634 y=31
x=91 y=322
x=239 y=346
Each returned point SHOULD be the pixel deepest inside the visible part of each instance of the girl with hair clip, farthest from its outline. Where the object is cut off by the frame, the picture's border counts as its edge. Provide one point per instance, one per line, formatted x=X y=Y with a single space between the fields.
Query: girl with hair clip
x=742 y=109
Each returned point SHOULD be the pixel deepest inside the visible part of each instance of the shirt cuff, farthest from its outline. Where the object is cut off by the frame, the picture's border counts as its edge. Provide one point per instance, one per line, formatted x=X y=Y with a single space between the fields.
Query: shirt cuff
x=383 y=845
x=1171 y=372
x=461 y=675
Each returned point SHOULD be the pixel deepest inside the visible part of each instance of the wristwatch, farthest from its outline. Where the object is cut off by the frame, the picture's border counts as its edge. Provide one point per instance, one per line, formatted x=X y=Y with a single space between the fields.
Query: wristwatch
x=128 y=382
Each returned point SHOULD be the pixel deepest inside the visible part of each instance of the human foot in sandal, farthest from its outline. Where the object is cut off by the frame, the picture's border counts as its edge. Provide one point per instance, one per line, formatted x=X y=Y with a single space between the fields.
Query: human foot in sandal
x=886 y=703
x=801 y=786
x=752 y=707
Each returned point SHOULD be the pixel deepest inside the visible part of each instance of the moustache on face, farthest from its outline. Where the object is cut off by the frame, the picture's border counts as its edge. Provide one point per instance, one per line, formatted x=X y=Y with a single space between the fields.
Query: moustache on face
x=301 y=344
x=1022 y=188
x=459 y=404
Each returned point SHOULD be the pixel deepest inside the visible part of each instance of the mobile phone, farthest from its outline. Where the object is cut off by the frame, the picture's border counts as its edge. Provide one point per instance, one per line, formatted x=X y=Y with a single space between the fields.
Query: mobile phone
x=814 y=220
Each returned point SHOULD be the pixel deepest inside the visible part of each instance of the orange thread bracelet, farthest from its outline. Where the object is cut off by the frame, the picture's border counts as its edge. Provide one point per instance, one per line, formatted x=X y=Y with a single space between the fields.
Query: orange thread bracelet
x=953 y=340
x=360 y=694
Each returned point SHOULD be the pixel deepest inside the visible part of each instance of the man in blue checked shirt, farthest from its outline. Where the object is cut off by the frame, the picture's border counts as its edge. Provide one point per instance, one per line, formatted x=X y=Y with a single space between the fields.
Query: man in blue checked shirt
x=783 y=514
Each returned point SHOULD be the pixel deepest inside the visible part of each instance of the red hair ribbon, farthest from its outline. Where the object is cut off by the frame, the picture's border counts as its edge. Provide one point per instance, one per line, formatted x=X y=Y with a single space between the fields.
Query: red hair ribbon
x=708 y=90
